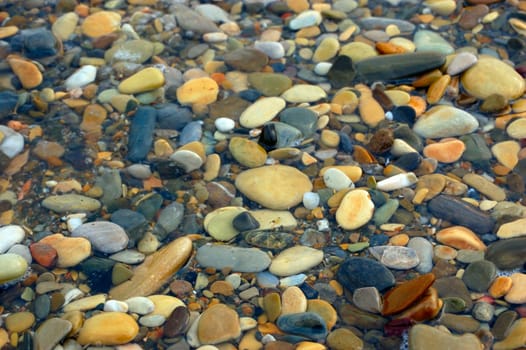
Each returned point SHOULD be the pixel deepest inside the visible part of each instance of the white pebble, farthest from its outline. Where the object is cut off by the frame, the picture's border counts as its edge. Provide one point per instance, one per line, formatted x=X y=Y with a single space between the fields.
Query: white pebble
x=139 y=171
x=73 y=223
x=188 y=160
x=140 y=305
x=216 y=37
x=336 y=179
x=305 y=19
x=115 y=305
x=9 y=236
x=294 y=280
x=323 y=225
x=397 y=181
x=224 y=124
x=311 y=200
x=272 y=49
x=234 y=279
x=322 y=68
x=83 y=76
x=13 y=142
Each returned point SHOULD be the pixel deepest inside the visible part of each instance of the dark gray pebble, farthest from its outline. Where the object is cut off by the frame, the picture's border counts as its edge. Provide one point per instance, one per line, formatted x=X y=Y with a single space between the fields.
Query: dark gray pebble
x=306 y=324
x=140 y=138
x=359 y=272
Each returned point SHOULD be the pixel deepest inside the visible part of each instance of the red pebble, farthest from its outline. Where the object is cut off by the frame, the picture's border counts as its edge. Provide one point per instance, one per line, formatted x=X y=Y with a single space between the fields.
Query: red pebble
x=44 y=254
x=397 y=327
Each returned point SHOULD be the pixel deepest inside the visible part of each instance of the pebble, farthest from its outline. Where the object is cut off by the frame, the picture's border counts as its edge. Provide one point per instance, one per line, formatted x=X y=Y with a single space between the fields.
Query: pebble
x=447 y=150
x=147 y=79
x=516 y=128
x=104 y=236
x=515 y=337
x=516 y=294
x=426 y=41
x=235 y=258
x=476 y=80
x=14 y=267
x=357 y=272
x=461 y=238
x=479 y=275
x=68 y=203
x=51 y=332
x=405 y=294
x=81 y=77
x=9 y=236
x=109 y=328
x=303 y=119
x=344 y=339
x=198 y=91
x=305 y=19
x=269 y=84
x=445 y=121
x=484 y=186
x=368 y=299
x=303 y=257
x=506 y=153
x=355 y=210
x=396 y=182
x=507 y=254
x=246 y=59
x=20 y=321
x=311 y=200
x=12 y=143
x=218 y=324
x=262 y=111
x=424 y=251
x=27 y=72
x=421 y=336
x=336 y=179
x=301 y=93
x=140 y=305
x=154 y=271
x=70 y=250
x=274 y=187
x=306 y=324
x=395 y=257
x=512 y=229
x=101 y=23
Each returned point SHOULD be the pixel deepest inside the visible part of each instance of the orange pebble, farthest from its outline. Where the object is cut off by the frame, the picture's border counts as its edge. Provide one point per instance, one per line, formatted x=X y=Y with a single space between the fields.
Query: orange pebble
x=448 y=150
x=269 y=328
x=399 y=240
x=82 y=10
x=418 y=104
x=337 y=287
x=218 y=77
x=388 y=48
x=500 y=286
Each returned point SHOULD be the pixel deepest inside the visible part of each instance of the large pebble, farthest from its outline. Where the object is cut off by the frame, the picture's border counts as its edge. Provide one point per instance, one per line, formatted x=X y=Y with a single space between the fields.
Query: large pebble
x=219 y=223
x=461 y=213
x=235 y=258
x=295 y=260
x=27 y=72
x=517 y=292
x=512 y=229
x=445 y=121
x=304 y=93
x=9 y=236
x=508 y=253
x=515 y=336
x=461 y=238
x=479 y=80
x=357 y=272
x=479 y=275
x=155 y=270
x=101 y=23
x=144 y=80
x=109 y=328
x=13 y=267
x=65 y=25
x=305 y=19
x=424 y=251
x=274 y=187
x=403 y=295
x=51 y=332
x=70 y=250
x=395 y=257
x=422 y=336
x=104 y=236
x=70 y=203
x=198 y=91
x=262 y=111
x=427 y=40
x=307 y=324
x=355 y=210
x=219 y=323
x=484 y=186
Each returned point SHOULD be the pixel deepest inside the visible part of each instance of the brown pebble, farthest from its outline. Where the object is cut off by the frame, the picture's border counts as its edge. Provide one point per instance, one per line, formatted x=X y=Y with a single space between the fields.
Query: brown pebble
x=181 y=288
x=471 y=16
x=381 y=141
x=177 y=322
x=222 y=287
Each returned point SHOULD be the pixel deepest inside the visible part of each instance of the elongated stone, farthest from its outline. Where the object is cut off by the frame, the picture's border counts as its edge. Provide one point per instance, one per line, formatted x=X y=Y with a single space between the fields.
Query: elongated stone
x=140 y=138
x=392 y=67
x=508 y=253
x=155 y=270
x=235 y=258
x=307 y=324
x=458 y=212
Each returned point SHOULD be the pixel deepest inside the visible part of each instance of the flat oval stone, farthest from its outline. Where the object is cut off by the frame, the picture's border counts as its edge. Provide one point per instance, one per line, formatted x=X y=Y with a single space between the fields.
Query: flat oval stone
x=274 y=187
x=294 y=260
x=461 y=213
x=236 y=258
x=272 y=219
x=305 y=19
x=301 y=118
x=395 y=257
x=517 y=294
x=246 y=59
x=517 y=129
x=430 y=41
x=104 y=236
x=422 y=336
x=479 y=79
x=269 y=84
x=108 y=328
x=306 y=324
x=65 y=25
x=445 y=121
x=355 y=210
x=512 y=229
x=508 y=253
x=70 y=250
x=70 y=203
x=135 y=51
x=19 y=321
x=140 y=305
x=300 y=93
x=219 y=323
x=101 y=23
x=484 y=186
x=199 y=90
x=359 y=272
x=13 y=267
x=262 y=111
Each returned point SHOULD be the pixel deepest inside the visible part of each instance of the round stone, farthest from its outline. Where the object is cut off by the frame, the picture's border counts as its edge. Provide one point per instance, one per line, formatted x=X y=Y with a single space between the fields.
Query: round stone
x=198 y=91
x=104 y=236
x=445 y=121
x=219 y=223
x=447 y=150
x=13 y=267
x=479 y=275
x=355 y=210
x=101 y=23
x=479 y=79
x=274 y=187
x=218 y=324
x=27 y=72
x=336 y=179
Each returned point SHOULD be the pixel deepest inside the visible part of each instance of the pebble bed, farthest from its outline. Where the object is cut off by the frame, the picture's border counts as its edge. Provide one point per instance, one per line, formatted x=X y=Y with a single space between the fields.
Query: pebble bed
x=255 y=174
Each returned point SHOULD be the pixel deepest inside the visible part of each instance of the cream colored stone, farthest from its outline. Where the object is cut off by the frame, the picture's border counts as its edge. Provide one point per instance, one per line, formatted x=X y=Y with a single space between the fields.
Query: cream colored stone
x=355 y=210
x=108 y=328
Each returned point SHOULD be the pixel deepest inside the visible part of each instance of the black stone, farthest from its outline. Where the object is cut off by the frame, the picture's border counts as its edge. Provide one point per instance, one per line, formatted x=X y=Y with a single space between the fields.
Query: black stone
x=98 y=270
x=140 y=138
x=245 y=222
x=404 y=114
x=408 y=161
x=134 y=223
x=461 y=213
x=39 y=43
x=360 y=272
x=177 y=322
x=269 y=137
x=342 y=72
